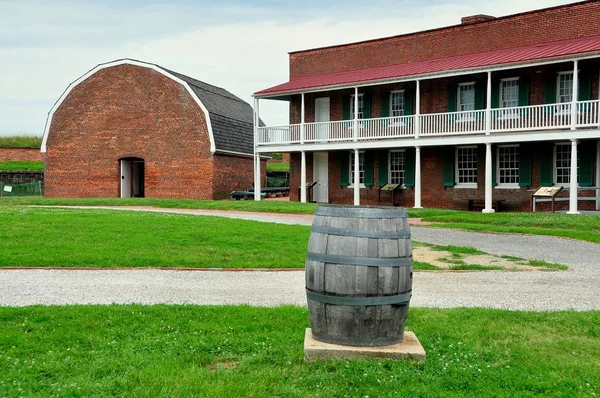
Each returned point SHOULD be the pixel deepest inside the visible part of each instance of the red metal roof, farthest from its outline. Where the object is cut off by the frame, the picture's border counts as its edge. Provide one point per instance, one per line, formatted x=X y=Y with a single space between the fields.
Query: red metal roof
x=538 y=52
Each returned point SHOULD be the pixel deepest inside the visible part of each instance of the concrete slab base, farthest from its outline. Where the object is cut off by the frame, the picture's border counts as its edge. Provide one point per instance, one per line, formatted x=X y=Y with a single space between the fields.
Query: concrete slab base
x=409 y=349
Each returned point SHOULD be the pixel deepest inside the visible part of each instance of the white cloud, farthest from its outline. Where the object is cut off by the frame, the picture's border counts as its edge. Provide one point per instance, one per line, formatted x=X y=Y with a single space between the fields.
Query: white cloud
x=244 y=55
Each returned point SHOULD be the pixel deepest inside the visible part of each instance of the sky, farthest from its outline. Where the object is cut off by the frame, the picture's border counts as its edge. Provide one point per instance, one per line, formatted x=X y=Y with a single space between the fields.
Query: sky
x=241 y=46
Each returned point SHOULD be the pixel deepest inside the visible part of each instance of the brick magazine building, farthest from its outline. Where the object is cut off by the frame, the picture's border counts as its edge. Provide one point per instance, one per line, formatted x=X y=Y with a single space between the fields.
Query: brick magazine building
x=481 y=112
x=128 y=128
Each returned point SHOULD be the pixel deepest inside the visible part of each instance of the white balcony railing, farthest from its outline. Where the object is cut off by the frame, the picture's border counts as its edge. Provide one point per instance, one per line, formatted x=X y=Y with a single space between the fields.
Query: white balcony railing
x=521 y=118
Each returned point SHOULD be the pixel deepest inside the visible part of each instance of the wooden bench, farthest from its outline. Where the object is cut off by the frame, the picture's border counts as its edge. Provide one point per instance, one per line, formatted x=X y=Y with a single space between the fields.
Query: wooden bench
x=478 y=204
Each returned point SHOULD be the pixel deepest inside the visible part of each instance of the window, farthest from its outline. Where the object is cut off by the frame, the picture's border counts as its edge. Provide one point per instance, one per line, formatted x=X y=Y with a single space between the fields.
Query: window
x=466 y=97
x=508 y=165
x=361 y=168
x=562 y=163
x=509 y=93
x=360 y=106
x=564 y=92
x=396 y=167
x=466 y=166
x=397 y=103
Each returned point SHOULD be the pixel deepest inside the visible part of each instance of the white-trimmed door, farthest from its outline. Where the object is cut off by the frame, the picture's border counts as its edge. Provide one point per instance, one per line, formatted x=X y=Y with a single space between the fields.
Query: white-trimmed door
x=322 y=115
x=321 y=176
x=125 y=178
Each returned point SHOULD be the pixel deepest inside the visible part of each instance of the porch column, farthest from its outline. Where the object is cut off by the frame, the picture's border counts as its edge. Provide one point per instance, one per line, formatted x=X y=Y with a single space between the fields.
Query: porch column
x=418 y=112
x=573 y=183
x=418 y=178
x=488 y=106
x=488 y=179
x=302 y=133
x=356 y=178
x=355 y=105
x=256 y=154
x=575 y=95
x=303 y=178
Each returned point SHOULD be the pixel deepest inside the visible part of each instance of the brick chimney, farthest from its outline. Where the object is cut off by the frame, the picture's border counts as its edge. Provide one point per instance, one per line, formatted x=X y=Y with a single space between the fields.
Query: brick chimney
x=476 y=19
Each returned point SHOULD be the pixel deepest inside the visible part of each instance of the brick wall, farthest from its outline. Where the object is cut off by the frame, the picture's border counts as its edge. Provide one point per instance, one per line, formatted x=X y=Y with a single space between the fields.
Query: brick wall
x=131 y=111
x=235 y=174
x=542 y=26
x=20 y=154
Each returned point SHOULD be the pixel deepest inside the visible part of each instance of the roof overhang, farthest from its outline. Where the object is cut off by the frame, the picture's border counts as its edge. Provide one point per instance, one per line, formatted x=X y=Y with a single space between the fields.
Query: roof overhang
x=539 y=54
x=127 y=61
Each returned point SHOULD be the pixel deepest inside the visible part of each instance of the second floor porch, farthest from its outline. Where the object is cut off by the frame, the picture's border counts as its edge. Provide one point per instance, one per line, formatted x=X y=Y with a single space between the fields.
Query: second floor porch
x=459 y=103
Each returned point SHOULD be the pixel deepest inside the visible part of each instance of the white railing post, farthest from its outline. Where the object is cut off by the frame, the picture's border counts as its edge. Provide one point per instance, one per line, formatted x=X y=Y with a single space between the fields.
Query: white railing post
x=575 y=95
x=418 y=110
x=302 y=121
x=573 y=182
x=256 y=154
x=418 y=178
x=355 y=105
x=488 y=105
x=303 y=177
x=488 y=179
x=356 y=178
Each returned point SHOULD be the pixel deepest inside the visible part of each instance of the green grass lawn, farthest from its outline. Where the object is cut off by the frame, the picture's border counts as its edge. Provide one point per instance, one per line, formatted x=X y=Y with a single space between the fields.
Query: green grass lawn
x=258 y=352
x=582 y=227
x=21 y=141
x=278 y=167
x=14 y=165
x=105 y=238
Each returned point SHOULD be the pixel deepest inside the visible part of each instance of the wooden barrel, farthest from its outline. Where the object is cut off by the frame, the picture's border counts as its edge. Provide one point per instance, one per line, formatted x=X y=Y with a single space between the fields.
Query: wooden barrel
x=359 y=275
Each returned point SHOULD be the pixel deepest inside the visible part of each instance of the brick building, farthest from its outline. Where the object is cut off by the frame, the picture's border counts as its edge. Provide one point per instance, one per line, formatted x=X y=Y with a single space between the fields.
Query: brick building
x=128 y=128
x=483 y=112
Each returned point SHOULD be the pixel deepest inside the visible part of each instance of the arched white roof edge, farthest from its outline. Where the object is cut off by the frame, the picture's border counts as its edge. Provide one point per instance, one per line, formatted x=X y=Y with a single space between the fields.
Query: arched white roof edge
x=128 y=61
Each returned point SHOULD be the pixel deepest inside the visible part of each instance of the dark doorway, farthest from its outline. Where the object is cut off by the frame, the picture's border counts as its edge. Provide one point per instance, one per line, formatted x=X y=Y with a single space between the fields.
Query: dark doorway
x=132 y=177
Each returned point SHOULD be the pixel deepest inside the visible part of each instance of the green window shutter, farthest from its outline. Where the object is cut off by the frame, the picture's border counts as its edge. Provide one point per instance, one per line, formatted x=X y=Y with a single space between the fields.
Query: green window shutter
x=586 y=165
x=452 y=98
x=408 y=102
x=525 y=166
x=524 y=95
x=346 y=107
x=409 y=167
x=344 y=169
x=585 y=86
x=546 y=165
x=494 y=163
x=523 y=91
x=550 y=89
x=385 y=104
x=366 y=106
x=383 y=168
x=480 y=95
x=369 y=166
x=448 y=156
x=495 y=95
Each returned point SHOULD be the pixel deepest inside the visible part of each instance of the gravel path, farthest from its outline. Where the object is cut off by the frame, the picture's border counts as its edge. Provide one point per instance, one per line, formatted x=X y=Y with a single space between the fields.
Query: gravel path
x=577 y=289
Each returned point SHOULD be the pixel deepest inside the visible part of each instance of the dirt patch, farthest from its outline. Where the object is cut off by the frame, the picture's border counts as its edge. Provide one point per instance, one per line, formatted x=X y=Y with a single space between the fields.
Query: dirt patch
x=447 y=260
x=214 y=366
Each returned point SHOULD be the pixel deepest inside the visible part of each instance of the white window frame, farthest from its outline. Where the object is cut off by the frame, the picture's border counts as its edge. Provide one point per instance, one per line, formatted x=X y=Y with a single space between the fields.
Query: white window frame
x=361 y=155
x=499 y=183
x=568 y=168
x=392 y=93
x=558 y=95
x=508 y=113
x=403 y=166
x=361 y=105
x=458 y=104
x=456 y=168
